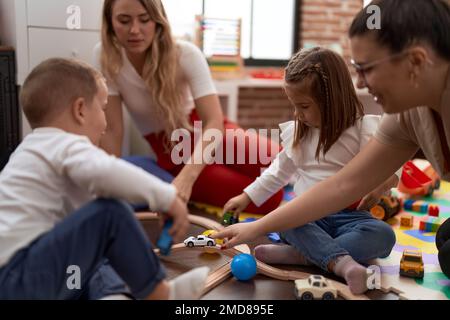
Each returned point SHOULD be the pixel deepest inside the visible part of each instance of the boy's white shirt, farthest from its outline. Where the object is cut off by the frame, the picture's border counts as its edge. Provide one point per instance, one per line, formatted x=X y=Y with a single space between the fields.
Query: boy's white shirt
x=301 y=163
x=52 y=173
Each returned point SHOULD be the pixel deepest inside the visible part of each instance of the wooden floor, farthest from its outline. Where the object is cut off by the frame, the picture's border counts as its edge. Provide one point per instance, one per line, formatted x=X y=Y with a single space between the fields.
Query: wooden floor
x=259 y=288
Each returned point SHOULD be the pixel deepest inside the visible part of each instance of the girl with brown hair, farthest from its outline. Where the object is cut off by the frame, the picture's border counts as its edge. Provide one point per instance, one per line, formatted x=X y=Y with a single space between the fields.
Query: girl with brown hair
x=328 y=131
x=405 y=65
x=166 y=85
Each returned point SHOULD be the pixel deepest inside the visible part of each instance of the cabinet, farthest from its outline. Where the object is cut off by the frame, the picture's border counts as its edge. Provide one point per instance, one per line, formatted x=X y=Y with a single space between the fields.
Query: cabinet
x=9 y=111
x=38 y=31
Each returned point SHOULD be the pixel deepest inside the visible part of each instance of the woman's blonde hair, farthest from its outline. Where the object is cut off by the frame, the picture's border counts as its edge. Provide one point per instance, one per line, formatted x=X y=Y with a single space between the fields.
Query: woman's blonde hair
x=330 y=85
x=161 y=70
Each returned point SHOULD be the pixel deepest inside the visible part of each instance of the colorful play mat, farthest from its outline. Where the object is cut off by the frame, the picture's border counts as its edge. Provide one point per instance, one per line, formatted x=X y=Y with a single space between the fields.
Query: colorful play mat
x=434 y=285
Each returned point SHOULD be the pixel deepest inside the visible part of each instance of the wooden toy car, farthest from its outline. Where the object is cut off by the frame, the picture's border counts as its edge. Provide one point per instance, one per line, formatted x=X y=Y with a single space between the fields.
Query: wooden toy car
x=388 y=207
x=199 y=241
x=411 y=264
x=315 y=287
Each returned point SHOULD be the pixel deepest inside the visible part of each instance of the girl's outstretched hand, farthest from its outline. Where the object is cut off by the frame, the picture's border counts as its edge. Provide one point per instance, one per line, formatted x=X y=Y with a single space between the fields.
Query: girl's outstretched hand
x=238 y=233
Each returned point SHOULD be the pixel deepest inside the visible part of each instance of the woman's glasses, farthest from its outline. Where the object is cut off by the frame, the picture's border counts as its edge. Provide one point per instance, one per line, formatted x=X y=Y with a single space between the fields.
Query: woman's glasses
x=362 y=68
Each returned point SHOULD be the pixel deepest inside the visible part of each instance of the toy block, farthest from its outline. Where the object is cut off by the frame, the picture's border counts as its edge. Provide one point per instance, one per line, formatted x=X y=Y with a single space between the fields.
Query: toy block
x=407 y=221
x=433 y=210
x=424 y=208
x=418 y=206
x=430 y=224
x=165 y=240
x=407 y=204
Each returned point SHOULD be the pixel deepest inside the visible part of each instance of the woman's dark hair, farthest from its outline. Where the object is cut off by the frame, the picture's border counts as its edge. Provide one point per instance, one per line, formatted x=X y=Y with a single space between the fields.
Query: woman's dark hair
x=405 y=22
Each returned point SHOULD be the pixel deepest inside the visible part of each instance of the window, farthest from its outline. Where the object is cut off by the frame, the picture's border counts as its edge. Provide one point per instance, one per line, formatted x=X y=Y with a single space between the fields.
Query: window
x=269 y=34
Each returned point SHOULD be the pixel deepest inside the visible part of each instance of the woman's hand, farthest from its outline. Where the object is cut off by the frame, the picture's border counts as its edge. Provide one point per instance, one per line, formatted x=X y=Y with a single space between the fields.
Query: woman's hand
x=237 y=204
x=372 y=198
x=184 y=186
x=238 y=233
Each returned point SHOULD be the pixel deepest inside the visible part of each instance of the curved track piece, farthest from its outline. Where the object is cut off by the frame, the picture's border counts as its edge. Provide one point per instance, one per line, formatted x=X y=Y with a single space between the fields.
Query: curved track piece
x=217 y=277
x=224 y=272
x=196 y=220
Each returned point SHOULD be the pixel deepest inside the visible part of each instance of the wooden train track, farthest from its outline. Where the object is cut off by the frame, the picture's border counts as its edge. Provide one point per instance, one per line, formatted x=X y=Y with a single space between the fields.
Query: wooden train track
x=224 y=272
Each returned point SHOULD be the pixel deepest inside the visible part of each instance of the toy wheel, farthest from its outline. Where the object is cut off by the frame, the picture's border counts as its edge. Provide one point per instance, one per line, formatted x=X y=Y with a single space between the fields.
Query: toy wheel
x=328 y=296
x=307 y=296
x=437 y=185
x=378 y=212
x=190 y=244
x=210 y=244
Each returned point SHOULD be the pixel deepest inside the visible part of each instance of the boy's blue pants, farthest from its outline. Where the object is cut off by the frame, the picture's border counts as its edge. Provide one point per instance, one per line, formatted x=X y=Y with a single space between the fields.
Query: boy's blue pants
x=104 y=240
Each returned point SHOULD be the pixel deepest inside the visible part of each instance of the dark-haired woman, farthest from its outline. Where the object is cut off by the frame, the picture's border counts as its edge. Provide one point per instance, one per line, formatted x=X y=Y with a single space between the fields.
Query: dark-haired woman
x=405 y=66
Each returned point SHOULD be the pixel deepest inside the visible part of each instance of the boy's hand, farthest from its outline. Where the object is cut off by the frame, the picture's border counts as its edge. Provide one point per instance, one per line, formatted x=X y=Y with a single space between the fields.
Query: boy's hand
x=237 y=204
x=179 y=213
x=237 y=234
x=184 y=187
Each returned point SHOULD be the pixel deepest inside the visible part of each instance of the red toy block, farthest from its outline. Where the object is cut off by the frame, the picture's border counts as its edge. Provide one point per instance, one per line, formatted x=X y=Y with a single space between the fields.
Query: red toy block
x=433 y=210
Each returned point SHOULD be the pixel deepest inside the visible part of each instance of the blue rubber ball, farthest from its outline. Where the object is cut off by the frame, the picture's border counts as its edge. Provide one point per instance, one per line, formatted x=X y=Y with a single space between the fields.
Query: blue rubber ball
x=243 y=266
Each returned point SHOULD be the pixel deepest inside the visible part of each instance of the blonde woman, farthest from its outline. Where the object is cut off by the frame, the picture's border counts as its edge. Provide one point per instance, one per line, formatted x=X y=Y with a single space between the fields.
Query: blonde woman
x=166 y=85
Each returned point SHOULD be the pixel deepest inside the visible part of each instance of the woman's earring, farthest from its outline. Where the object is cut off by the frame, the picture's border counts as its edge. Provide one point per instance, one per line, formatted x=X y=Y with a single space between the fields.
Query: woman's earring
x=413 y=79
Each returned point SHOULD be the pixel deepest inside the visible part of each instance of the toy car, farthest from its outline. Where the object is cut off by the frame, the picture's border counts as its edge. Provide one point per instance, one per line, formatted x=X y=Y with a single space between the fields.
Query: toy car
x=210 y=232
x=411 y=264
x=315 y=287
x=388 y=207
x=199 y=241
x=415 y=181
x=229 y=219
